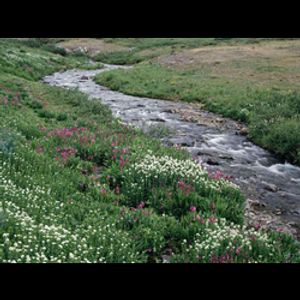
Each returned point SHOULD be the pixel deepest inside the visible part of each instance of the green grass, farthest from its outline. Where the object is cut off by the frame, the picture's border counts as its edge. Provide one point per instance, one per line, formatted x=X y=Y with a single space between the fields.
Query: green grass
x=33 y=63
x=79 y=186
x=272 y=114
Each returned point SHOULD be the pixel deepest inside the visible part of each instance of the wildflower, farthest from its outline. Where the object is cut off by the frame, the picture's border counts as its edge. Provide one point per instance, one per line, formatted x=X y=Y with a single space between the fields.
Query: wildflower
x=193 y=208
x=212 y=220
x=141 y=205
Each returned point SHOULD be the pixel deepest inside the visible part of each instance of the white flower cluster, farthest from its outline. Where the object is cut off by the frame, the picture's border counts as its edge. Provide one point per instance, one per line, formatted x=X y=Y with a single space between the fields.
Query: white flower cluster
x=41 y=243
x=169 y=169
x=230 y=238
x=35 y=228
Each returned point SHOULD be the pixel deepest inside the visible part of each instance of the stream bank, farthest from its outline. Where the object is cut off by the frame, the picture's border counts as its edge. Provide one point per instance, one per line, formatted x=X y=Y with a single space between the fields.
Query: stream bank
x=272 y=188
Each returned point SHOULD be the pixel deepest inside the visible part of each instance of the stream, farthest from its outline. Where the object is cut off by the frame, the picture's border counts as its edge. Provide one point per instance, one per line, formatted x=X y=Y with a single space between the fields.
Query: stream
x=272 y=188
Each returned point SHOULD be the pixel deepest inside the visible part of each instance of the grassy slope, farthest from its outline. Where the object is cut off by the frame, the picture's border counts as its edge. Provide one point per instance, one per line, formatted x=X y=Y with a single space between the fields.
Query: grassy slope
x=78 y=209
x=17 y=58
x=261 y=91
x=147 y=48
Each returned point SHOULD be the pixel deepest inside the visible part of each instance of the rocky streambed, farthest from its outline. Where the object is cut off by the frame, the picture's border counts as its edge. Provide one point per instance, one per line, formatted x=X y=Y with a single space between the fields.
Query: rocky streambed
x=272 y=188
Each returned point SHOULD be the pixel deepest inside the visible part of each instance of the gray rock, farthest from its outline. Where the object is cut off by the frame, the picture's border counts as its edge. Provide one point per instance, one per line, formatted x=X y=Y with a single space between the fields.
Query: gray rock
x=270 y=187
x=244 y=131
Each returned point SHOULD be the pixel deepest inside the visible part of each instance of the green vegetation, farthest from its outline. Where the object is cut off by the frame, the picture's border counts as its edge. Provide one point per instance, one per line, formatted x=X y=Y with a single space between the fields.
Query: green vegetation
x=79 y=186
x=34 y=63
x=248 y=90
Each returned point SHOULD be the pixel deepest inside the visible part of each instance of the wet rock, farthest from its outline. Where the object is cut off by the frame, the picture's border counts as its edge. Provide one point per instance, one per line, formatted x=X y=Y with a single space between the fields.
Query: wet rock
x=227 y=157
x=212 y=162
x=84 y=78
x=169 y=111
x=157 y=120
x=219 y=120
x=270 y=187
x=256 y=204
x=184 y=142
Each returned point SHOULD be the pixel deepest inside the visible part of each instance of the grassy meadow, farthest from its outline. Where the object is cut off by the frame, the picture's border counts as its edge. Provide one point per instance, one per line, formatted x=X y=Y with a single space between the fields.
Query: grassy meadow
x=77 y=185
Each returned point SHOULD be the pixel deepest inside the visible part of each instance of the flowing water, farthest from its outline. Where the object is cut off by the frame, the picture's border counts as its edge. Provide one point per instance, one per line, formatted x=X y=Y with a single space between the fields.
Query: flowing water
x=260 y=175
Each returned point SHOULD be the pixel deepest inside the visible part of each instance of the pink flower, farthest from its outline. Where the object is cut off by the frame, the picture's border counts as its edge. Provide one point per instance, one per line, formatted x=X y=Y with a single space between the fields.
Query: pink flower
x=212 y=220
x=238 y=250
x=103 y=191
x=181 y=184
x=122 y=162
x=125 y=150
x=141 y=205
x=193 y=208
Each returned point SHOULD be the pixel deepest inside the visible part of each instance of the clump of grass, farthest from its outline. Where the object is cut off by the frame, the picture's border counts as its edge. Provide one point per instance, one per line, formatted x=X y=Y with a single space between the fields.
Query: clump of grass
x=46 y=114
x=62 y=117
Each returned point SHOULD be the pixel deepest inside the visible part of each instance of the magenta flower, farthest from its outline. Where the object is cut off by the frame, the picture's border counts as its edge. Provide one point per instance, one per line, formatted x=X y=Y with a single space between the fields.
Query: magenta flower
x=193 y=208
x=141 y=205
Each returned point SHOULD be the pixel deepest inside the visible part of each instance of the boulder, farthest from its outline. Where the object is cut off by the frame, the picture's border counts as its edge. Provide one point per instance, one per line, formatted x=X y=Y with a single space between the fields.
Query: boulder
x=244 y=131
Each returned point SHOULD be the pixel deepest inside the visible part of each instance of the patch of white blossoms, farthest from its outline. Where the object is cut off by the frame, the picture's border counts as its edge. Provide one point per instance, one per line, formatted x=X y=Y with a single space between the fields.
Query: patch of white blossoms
x=170 y=169
x=230 y=238
x=34 y=232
